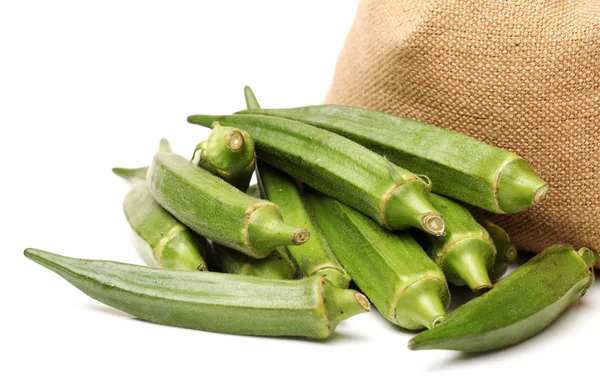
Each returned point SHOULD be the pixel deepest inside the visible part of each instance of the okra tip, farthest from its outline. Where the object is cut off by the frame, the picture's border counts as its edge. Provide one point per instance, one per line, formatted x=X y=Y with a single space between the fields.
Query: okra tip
x=341 y=304
x=422 y=304
x=131 y=174
x=407 y=205
x=518 y=187
x=266 y=230
x=511 y=253
x=301 y=236
x=164 y=146
x=434 y=224
x=589 y=256
x=236 y=141
x=469 y=261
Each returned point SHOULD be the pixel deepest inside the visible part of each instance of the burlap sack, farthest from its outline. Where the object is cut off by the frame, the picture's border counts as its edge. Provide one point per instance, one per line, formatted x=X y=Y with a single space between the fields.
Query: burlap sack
x=521 y=75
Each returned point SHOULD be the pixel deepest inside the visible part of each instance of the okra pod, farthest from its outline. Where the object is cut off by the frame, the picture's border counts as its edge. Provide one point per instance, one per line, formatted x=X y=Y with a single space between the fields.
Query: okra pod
x=466 y=252
x=341 y=168
x=229 y=154
x=313 y=257
x=162 y=239
x=458 y=165
x=214 y=302
x=506 y=251
x=215 y=209
x=519 y=306
x=403 y=283
x=275 y=266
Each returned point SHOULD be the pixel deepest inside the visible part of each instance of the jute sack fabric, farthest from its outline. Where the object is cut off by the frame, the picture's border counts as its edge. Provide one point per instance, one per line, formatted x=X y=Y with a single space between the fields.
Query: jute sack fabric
x=520 y=75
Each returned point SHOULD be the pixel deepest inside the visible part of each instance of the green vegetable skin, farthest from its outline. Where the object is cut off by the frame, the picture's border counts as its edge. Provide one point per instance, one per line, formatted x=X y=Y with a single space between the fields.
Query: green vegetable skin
x=229 y=154
x=341 y=168
x=466 y=252
x=506 y=251
x=276 y=265
x=518 y=307
x=215 y=209
x=215 y=302
x=458 y=166
x=313 y=257
x=170 y=243
x=405 y=285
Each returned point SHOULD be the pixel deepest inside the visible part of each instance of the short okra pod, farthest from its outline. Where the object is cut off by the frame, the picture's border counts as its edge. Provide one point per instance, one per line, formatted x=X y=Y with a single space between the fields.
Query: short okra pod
x=313 y=257
x=403 y=283
x=229 y=154
x=276 y=265
x=458 y=165
x=466 y=252
x=216 y=210
x=506 y=251
x=214 y=302
x=519 y=306
x=162 y=239
x=341 y=168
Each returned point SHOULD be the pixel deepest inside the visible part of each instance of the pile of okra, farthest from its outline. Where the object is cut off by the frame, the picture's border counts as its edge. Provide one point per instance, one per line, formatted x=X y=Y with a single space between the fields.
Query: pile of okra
x=346 y=197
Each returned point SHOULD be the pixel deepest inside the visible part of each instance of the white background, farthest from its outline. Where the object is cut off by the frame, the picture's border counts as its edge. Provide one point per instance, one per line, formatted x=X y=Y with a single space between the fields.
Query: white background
x=85 y=86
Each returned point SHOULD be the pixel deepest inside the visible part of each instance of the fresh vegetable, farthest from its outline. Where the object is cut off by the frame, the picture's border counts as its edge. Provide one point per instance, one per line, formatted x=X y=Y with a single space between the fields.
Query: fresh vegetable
x=276 y=265
x=506 y=251
x=313 y=257
x=519 y=306
x=405 y=285
x=466 y=252
x=215 y=209
x=229 y=154
x=458 y=165
x=162 y=237
x=215 y=302
x=341 y=168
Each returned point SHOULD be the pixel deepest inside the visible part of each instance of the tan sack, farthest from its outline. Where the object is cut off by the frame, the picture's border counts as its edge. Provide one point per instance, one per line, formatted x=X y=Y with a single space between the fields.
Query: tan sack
x=520 y=75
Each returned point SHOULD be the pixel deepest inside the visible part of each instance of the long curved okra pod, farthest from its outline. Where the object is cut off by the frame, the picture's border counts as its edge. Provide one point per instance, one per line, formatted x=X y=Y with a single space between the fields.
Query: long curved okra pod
x=403 y=283
x=215 y=302
x=229 y=154
x=217 y=210
x=506 y=251
x=276 y=265
x=313 y=257
x=519 y=306
x=458 y=166
x=168 y=242
x=339 y=167
x=466 y=252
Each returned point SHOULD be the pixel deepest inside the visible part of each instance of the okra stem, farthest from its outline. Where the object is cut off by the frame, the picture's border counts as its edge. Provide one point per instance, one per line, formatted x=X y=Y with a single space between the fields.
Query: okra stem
x=229 y=154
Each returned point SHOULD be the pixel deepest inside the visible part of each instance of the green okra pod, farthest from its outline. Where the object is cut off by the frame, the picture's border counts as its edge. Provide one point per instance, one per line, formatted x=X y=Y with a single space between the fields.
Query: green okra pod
x=339 y=167
x=506 y=251
x=405 y=285
x=313 y=257
x=229 y=154
x=519 y=306
x=163 y=240
x=215 y=302
x=466 y=253
x=276 y=265
x=458 y=165
x=216 y=210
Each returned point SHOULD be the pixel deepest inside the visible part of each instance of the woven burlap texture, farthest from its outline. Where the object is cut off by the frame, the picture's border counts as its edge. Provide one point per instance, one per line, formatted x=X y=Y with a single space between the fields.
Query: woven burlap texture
x=520 y=75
